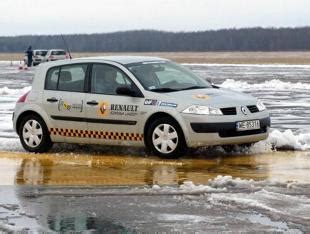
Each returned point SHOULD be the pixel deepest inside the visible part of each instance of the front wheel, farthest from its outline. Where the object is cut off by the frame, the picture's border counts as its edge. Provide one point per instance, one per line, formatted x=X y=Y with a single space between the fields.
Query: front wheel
x=34 y=135
x=165 y=138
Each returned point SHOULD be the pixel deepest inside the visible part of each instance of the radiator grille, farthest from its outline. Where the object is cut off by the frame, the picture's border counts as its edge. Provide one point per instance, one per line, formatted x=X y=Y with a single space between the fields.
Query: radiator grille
x=229 y=111
x=253 y=109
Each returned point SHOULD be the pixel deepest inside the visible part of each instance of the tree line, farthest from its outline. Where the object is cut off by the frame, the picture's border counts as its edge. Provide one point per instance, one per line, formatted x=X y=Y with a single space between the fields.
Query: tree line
x=246 y=39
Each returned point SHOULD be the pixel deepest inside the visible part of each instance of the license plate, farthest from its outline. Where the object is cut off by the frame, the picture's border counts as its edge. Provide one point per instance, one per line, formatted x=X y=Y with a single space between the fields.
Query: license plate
x=248 y=125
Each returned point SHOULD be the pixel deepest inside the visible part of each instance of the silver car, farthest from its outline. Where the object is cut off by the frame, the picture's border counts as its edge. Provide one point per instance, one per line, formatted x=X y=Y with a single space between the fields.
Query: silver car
x=55 y=54
x=134 y=101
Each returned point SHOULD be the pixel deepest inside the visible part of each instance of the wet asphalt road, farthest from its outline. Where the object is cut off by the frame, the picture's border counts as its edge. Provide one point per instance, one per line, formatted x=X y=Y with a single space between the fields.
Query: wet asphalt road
x=230 y=207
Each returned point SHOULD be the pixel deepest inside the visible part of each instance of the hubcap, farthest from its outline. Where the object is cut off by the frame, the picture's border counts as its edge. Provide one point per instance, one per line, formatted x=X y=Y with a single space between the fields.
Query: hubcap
x=32 y=133
x=165 y=138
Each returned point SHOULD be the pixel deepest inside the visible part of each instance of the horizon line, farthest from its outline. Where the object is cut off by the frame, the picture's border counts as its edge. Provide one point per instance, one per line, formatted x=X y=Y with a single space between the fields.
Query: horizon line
x=163 y=31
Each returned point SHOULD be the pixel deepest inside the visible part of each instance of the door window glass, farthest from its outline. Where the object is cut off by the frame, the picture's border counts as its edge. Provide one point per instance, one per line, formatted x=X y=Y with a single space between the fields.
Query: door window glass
x=106 y=79
x=52 y=78
x=72 y=78
x=58 y=52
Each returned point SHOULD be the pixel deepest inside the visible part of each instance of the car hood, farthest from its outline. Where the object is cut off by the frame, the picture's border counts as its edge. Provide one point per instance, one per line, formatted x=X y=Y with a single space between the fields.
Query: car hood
x=215 y=97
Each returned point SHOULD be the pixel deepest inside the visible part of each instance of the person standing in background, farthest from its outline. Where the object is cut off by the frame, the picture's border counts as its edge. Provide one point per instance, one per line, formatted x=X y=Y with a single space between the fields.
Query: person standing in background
x=29 y=53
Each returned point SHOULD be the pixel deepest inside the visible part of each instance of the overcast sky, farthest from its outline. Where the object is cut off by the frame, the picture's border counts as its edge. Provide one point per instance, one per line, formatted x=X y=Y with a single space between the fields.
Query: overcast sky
x=19 y=17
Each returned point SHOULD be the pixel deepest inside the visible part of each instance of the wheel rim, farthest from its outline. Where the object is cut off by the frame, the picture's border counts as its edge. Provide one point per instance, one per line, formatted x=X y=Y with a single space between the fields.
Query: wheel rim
x=165 y=138
x=32 y=133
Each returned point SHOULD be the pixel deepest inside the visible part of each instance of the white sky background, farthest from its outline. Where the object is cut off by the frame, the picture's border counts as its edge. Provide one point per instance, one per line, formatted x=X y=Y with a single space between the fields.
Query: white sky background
x=19 y=17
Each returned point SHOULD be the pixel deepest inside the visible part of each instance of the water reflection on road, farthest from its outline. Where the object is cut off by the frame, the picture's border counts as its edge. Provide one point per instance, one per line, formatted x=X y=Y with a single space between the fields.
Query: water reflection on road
x=83 y=169
x=81 y=193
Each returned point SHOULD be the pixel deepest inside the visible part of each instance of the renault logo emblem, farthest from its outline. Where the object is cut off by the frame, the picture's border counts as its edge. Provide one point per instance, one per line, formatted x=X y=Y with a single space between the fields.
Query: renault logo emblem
x=244 y=110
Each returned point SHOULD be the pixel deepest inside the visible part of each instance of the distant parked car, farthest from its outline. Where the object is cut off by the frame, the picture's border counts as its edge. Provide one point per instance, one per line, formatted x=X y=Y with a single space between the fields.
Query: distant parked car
x=55 y=54
x=38 y=57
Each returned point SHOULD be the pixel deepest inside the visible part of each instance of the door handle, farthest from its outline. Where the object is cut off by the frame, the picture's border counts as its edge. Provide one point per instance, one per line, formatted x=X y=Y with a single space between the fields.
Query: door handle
x=92 y=103
x=53 y=99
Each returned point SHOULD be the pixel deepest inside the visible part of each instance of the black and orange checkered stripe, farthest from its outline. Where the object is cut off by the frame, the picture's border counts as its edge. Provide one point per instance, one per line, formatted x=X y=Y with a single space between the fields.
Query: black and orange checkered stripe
x=97 y=134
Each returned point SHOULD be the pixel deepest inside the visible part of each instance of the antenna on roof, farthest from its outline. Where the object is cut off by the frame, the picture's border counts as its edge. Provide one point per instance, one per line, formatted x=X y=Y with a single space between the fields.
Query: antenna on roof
x=67 y=48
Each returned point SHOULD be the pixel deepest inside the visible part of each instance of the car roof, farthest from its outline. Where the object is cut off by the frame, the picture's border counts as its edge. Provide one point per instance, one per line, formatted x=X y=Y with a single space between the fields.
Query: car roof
x=56 y=50
x=126 y=59
x=117 y=59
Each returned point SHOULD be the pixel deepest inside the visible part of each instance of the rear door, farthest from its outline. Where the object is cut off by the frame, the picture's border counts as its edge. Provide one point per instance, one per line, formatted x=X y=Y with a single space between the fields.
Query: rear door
x=113 y=119
x=64 y=102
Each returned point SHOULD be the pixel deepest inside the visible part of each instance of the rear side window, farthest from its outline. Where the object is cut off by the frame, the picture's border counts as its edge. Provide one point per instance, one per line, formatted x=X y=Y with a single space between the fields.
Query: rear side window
x=52 y=78
x=41 y=53
x=58 y=52
x=66 y=78
x=72 y=78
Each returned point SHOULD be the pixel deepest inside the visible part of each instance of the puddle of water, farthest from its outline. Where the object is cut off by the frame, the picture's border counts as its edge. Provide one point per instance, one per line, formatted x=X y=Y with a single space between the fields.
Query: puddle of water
x=84 y=169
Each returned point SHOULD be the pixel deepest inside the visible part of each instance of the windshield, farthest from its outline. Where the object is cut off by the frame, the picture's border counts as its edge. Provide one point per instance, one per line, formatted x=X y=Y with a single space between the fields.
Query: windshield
x=165 y=76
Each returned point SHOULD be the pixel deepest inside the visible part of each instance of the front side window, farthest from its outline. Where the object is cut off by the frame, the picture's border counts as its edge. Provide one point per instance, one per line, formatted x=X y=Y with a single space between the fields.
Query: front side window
x=164 y=76
x=105 y=79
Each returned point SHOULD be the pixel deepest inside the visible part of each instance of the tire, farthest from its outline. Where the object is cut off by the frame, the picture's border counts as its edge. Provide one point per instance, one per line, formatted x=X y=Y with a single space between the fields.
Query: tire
x=34 y=135
x=165 y=138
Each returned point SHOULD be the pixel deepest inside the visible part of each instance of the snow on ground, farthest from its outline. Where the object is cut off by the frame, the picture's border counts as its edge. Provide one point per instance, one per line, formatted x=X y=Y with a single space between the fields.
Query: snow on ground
x=14 y=92
x=246 y=65
x=275 y=85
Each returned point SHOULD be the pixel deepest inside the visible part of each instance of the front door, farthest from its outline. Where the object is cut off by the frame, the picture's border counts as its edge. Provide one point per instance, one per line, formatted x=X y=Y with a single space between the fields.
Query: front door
x=63 y=100
x=113 y=119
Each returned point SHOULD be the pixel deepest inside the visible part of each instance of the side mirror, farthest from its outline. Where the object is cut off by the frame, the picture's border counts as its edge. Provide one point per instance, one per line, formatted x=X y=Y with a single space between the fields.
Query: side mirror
x=127 y=91
x=212 y=84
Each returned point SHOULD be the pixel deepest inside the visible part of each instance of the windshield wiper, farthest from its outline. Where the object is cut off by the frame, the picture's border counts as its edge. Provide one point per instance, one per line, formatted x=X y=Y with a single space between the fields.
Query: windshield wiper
x=164 y=90
x=195 y=87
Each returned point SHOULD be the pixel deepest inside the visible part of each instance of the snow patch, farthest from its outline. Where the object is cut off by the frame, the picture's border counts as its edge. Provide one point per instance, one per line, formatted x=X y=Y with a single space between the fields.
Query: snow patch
x=9 y=62
x=245 y=65
x=189 y=186
x=244 y=201
x=228 y=181
x=181 y=217
x=288 y=140
x=274 y=84
x=261 y=147
x=10 y=144
x=7 y=91
x=156 y=187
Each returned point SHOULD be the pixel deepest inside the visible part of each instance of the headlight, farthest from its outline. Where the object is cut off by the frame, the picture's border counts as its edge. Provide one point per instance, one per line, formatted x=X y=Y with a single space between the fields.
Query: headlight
x=202 y=110
x=260 y=105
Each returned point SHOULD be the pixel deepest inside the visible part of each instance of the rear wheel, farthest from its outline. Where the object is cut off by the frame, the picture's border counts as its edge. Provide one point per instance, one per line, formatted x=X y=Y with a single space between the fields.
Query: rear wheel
x=165 y=138
x=34 y=135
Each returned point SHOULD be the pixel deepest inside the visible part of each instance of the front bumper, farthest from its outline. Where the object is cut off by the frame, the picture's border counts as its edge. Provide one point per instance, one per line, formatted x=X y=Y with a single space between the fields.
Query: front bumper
x=229 y=129
x=222 y=131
